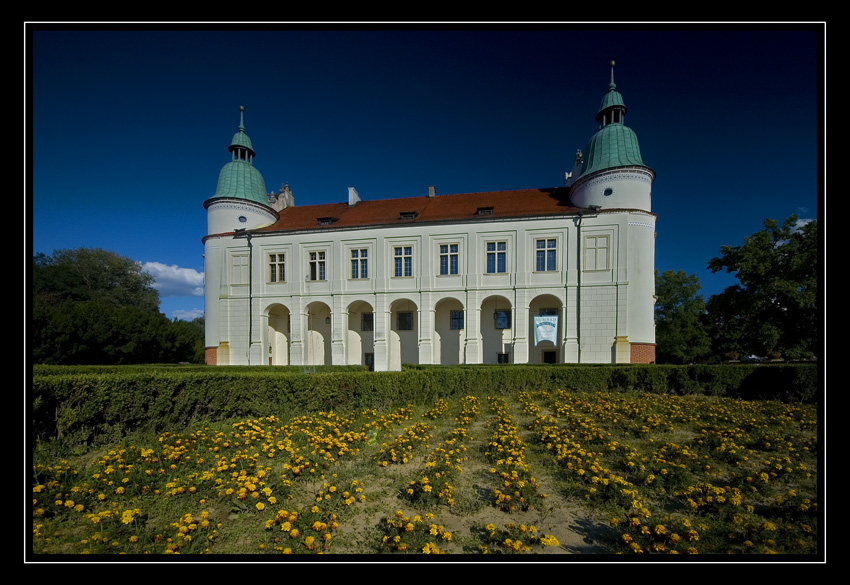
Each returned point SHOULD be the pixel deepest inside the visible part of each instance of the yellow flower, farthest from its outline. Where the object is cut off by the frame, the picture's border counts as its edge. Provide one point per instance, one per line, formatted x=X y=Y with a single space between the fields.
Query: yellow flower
x=549 y=540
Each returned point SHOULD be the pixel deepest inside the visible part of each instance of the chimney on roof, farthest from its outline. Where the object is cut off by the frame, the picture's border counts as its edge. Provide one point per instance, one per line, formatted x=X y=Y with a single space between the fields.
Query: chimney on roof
x=432 y=191
x=353 y=196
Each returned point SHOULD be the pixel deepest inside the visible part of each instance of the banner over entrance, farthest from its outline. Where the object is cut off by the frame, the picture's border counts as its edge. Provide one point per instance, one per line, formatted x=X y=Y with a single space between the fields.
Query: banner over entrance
x=546 y=329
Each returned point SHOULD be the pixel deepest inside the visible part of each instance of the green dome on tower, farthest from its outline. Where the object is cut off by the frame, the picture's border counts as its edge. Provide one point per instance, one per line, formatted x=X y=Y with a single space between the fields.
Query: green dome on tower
x=239 y=178
x=614 y=144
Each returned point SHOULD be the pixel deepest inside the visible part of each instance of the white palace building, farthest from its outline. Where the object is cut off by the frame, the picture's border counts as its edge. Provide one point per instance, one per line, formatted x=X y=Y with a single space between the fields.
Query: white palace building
x=558 y=275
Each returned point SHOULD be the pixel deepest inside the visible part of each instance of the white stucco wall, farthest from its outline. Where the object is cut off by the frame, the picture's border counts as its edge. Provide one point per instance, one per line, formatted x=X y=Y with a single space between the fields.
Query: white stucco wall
x=291 y=317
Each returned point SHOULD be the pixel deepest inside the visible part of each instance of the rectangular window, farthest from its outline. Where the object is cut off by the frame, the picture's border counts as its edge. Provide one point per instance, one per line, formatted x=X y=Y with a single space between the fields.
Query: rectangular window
x=596 y=253
x=367 y=322
x=457 y=320
x=360 y=263
x=546 y=255
x=277 y=268
x=503 y=319
x=496 y=257
x=503 y=358
x=404 y=321
x=317 y=266
x=239 y=269
x=448 y=259
x=403 y=257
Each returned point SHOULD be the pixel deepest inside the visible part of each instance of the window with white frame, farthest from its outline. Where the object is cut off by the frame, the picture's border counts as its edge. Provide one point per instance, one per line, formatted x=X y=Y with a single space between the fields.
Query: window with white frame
x=596 y=252
x=277 y=268
x=367 y=321
x=497 y=257
x=360 y=263
x=448 y=259
x=403 y=260
x=546 y=255
x=317 y=266
x=239 y=269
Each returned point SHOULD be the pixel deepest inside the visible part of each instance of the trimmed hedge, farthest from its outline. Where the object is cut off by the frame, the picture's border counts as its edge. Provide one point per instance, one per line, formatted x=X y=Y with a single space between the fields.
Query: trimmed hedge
x=101 y=405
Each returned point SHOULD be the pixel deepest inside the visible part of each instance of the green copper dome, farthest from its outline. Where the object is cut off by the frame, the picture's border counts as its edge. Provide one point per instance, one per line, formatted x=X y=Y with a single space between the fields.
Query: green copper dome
x=612 y=99
x=241 y=140
x=614 y=144
x=239 y=178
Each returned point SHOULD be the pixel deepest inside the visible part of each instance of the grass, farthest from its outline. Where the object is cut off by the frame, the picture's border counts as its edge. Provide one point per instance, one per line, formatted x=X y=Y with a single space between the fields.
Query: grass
x=549 y=472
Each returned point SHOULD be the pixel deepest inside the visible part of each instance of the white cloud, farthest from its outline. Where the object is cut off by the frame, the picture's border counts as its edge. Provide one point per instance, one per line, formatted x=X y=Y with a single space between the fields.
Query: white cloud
x=800 y=223
x=187 y=315
x=173 y=281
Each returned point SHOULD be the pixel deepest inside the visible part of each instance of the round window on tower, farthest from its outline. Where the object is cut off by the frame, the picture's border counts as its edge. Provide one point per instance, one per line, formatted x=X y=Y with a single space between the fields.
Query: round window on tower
x=242 y=219
x=608 y=192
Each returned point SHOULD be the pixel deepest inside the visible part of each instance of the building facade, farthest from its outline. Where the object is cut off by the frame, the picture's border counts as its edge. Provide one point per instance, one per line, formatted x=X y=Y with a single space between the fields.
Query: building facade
x=560 y=275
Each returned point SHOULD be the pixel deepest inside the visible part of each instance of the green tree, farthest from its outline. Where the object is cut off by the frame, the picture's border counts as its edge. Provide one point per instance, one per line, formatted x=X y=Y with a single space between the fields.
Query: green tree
x=92 y=306
x=774 y=308
x=679 y=308
x=92 y=274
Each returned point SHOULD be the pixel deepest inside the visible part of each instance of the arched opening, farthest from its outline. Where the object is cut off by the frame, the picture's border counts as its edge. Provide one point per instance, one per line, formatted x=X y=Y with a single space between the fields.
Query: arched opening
x=278 y=336
x=496 y=330
x=403 y=340
x=360 y=337
x=545 y=322
x=318 y=340
x=449 y=325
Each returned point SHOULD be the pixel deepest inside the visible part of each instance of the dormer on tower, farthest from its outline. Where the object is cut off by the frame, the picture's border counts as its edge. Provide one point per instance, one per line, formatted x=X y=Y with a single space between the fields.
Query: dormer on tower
x=612 y=173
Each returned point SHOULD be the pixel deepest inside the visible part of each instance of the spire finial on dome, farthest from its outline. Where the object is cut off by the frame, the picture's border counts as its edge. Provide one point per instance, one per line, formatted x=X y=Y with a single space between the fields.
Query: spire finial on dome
x=612 y=85
x=241 y=121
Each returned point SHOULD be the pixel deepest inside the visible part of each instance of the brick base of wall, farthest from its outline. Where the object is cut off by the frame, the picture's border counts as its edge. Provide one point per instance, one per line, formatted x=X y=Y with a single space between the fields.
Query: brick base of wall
x=643 y=353
x=210 y=355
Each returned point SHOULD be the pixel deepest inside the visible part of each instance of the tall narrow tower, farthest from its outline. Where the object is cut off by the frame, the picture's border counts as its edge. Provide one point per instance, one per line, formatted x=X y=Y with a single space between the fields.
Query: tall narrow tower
x=613 y=176
x=240 y=203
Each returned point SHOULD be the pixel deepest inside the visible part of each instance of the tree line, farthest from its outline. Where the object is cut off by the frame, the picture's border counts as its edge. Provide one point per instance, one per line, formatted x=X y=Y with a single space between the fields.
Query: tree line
x=92 y=306
x=770 y=313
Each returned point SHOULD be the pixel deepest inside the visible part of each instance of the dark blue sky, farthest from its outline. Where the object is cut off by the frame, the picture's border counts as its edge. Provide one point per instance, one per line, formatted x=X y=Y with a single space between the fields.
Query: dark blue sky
x=130 y=127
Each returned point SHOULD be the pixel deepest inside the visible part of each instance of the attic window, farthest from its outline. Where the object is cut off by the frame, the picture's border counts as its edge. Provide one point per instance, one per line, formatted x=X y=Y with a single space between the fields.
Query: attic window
x=485 y=211
x=326 y=220
x=408 y=215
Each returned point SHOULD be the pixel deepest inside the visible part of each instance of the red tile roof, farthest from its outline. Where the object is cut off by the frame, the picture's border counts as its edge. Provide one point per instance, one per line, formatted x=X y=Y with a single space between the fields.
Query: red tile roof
x=440 y=208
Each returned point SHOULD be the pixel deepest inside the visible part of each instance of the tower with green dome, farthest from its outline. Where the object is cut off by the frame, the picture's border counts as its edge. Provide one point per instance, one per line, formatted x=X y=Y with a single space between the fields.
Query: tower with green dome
x=610 y=172
x=240 y=203
x=240 y=200
x=611 y=179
